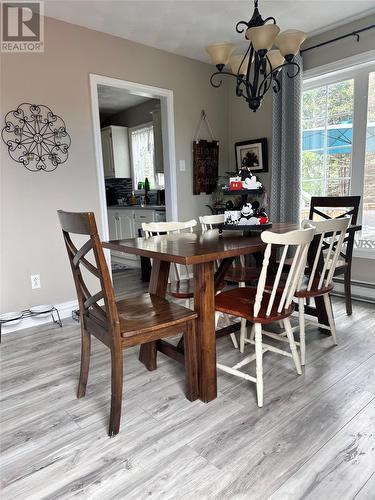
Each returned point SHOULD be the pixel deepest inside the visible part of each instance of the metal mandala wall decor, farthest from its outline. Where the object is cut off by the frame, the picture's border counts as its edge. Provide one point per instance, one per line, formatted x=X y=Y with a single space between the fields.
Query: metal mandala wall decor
x=36 y=137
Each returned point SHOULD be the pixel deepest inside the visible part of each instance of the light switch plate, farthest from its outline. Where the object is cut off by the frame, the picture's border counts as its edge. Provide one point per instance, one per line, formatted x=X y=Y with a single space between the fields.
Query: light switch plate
x=182 y=166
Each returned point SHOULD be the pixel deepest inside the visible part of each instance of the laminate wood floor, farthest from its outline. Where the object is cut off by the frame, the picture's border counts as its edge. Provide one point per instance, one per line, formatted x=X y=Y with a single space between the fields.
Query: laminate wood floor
x=313 y=439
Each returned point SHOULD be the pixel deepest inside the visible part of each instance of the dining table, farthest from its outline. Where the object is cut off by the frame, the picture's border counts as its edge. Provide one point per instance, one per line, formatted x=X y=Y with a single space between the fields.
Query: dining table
x=201 y=250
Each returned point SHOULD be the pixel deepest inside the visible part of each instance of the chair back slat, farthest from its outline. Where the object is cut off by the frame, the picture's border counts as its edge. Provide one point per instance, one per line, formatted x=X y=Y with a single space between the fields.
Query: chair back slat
x=316 y=259
x=332 y=235
x=84 y=224
x=290 y=279
x=262 y=280
x=211 y=221
x=298 y=240
x=277 y=280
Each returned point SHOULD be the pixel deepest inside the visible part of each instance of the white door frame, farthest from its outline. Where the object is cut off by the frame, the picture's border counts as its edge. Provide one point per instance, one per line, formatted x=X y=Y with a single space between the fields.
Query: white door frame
x=169 y=151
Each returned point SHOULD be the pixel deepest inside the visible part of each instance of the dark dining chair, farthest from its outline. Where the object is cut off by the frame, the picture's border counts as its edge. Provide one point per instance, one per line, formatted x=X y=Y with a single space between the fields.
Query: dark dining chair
x=347 y=205
x=135 y=320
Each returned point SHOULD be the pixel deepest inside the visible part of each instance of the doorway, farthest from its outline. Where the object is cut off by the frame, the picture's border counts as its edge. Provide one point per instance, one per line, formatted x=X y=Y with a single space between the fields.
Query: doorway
x=140 y=92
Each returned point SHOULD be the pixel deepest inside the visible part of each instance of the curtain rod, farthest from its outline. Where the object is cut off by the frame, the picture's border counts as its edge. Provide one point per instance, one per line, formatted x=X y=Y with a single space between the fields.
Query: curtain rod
x=353 y=33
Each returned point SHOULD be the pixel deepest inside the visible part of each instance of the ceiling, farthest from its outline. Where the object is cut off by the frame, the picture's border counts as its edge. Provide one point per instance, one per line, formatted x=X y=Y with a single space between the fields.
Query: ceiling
x=186 y=27
x=113 y=99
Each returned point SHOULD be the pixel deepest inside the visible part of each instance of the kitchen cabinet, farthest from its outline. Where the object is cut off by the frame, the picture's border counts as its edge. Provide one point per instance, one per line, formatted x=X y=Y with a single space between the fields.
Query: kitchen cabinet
x=121 y=226
x=115 y=150
x=124 y=222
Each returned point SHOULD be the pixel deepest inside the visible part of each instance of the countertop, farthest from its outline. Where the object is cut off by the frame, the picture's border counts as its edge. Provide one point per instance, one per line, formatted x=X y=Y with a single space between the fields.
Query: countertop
x=137 y=207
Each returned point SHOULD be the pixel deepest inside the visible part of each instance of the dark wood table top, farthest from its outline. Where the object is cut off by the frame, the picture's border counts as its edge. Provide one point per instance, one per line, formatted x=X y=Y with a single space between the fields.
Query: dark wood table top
x=197 y=247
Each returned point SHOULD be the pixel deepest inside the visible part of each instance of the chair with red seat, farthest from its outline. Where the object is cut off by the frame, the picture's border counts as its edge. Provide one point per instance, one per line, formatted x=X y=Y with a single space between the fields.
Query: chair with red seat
x=261 y=306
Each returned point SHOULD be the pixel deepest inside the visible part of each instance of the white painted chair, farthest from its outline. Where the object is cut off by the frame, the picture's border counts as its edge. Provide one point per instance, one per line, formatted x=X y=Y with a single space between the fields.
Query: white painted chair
x=261 y=305
x=319 y=284
x=181 y=285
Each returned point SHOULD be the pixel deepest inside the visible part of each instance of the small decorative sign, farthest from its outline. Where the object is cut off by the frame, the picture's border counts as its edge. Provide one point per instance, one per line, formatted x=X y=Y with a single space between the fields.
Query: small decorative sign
x=36 y=137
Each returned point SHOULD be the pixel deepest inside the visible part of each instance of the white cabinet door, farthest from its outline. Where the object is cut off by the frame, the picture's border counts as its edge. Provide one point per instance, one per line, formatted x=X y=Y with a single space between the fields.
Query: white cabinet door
x=120 y=227
x=107 y=151
x=121 y=158
x=142 y=216
x=127 y=224
x=115 y=149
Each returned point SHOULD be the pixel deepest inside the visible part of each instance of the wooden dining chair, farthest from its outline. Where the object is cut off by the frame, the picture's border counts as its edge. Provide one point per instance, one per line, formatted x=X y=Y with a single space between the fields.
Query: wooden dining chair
x=261 y=306
x=135 y=320
x=319 y=282
x=181 y=286
x=345 y=205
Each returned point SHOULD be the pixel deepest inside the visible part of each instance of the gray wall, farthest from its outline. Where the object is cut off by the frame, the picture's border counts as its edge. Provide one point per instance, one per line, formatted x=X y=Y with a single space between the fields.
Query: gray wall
x=31 y=240
x=136 y=115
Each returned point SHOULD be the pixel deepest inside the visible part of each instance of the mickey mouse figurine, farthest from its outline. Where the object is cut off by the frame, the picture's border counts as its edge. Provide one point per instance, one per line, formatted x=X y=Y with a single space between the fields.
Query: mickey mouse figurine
x=252 y=214
x=248 y=215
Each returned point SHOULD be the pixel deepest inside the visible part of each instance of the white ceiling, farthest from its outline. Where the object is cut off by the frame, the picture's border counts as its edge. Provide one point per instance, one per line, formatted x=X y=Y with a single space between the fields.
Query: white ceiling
x=113 y=99
x=186 y=27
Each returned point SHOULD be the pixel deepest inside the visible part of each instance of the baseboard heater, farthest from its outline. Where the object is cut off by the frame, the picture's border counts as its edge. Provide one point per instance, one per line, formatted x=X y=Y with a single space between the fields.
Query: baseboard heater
x=361 y=290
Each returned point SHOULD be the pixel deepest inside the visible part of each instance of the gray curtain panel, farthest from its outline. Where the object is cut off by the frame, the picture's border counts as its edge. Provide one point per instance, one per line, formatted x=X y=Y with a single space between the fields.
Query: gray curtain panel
x=286 y=149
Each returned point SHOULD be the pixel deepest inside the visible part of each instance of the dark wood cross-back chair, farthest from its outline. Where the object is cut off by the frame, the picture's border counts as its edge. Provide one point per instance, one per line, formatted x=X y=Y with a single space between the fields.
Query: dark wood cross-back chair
x=344 y=264
x=135 y=320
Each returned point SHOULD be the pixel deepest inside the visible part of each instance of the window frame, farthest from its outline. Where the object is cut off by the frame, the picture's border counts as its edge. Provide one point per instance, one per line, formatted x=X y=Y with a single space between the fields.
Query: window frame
x=130 y=130
x=334 y=73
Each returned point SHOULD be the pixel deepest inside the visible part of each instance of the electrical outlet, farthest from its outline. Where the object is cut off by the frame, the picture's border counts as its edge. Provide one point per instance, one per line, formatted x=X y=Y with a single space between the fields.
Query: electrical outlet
x=35 y=281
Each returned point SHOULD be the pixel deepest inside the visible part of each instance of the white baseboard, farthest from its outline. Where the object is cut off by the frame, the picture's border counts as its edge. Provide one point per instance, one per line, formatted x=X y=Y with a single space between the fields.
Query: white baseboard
x=360 y=290
x=65 y=310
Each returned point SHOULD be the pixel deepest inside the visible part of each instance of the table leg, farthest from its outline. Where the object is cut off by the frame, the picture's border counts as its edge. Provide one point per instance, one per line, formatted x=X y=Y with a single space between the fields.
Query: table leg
x=158 y=286
x=225 y=264
x=204 y=301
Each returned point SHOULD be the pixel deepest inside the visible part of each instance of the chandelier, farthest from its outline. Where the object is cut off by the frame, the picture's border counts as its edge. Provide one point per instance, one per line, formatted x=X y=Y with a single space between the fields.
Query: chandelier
x=260 y=67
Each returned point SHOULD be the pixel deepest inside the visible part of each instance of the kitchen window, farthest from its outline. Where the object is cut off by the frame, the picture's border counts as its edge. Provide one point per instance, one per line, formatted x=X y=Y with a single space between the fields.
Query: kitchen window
x=142 y=153
x=338 y=144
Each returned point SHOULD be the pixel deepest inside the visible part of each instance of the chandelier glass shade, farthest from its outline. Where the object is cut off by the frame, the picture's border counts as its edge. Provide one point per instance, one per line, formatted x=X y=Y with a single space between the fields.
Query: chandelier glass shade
x=259 y=68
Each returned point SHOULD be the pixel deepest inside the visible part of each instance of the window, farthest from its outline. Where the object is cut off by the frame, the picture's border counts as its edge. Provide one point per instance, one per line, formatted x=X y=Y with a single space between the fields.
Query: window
x=142 y=154
x=338 y=142
x=368 y=219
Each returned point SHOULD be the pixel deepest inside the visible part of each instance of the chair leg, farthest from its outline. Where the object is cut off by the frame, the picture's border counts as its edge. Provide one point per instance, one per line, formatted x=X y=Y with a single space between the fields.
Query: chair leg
x=259 y=363
x=327 y=303
x=302 y=340
x=243 y=335
x=191 y=362
x=348 y=291
x=232 y=335
x=85 y=362
x=116 y=391
x=252 y=332
x=292 y=344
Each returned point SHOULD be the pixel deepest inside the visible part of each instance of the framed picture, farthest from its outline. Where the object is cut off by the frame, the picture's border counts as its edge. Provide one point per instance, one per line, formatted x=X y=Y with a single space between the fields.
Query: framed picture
x=253 y=153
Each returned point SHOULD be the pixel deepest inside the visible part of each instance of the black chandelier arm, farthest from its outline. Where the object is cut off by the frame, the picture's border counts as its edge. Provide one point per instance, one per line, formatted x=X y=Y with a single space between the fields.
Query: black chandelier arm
x=240 y=23
x=292 y=63
x=276 y=84
x=274 y=72
x=217 y=73
x=270 y=19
